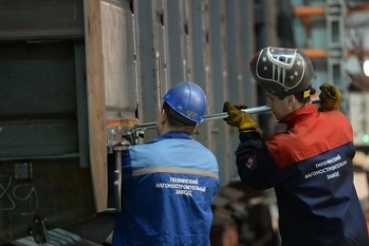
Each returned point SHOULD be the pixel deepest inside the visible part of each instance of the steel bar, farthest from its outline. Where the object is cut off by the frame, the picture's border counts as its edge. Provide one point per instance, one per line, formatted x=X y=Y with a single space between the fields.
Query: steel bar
x=216 y=116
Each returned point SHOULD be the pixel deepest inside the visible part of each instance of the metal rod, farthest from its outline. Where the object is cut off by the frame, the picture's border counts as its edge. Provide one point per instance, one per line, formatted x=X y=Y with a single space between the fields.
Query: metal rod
x=216 y=116
x=118 y=179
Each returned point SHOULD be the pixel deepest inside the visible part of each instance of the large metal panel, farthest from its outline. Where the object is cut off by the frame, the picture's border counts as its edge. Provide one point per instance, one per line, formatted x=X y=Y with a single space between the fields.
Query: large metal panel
x=218 y=81
x=147 y=70
x=197 y=65
x=207 y=42
x=245 y=42
x=196 y=39
x=175 y=45
x=57 y=192
x=38 y=102
x=197 y=46
x=43 y=117
x=118 y=54
x=161 y=46
x=243 y=88
x=126 y=56
x=41 y=19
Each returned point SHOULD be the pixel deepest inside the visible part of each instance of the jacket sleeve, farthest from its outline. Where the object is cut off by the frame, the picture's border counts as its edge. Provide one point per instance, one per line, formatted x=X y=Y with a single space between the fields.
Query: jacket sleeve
x=255 y=166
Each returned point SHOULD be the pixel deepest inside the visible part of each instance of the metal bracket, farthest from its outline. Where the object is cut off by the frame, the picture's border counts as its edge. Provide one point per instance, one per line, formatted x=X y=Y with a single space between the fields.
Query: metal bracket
x=38 y=231
x=117 y=147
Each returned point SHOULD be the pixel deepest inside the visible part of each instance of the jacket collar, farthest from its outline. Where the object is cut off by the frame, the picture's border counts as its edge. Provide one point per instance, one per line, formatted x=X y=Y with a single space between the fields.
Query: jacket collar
x=299 y=114
x=175 y=134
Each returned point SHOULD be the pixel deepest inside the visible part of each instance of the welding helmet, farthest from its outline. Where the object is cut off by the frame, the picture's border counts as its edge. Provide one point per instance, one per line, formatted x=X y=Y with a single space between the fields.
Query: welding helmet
x=283 y=71
x=187 y=99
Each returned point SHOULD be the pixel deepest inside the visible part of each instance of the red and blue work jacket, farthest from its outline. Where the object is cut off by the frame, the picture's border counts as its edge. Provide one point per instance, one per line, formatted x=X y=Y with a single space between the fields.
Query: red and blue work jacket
x=310 y=167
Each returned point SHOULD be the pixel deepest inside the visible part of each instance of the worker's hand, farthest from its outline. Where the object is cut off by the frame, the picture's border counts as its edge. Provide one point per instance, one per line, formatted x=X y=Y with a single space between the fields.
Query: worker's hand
x=330 y=98
x=240 y=119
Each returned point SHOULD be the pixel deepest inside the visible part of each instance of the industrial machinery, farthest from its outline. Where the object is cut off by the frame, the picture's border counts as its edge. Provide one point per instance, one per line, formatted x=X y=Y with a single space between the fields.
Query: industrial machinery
x=81 y=80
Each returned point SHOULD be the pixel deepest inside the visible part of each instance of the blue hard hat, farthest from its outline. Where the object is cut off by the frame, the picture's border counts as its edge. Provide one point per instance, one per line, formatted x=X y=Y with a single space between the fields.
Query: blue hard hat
x=187 y=99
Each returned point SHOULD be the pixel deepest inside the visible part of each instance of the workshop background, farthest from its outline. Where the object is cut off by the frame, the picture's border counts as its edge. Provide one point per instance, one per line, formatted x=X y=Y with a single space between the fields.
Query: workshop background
x=81 y=80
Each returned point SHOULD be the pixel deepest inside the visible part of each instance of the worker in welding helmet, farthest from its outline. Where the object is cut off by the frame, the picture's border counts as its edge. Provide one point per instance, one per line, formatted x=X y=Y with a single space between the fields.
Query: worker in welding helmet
x=309 y=165
x=168 y=183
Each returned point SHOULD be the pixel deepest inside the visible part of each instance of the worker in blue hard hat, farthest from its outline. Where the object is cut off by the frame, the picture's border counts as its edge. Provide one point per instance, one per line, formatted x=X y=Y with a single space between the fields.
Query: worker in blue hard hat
x=184 y=103
x=309 y=165
x=168 y=184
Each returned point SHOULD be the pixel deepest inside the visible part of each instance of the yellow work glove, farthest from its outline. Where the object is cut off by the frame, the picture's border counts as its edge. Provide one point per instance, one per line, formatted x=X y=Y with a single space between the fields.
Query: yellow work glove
x=330 y=97
x=240 y=119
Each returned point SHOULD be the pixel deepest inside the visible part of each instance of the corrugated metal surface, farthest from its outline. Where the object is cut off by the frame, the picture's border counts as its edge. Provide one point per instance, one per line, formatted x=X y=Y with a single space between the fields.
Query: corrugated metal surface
x=38 y=102
x=43 y=116
x=207 y=42
x=64 y=79
x=41 y=19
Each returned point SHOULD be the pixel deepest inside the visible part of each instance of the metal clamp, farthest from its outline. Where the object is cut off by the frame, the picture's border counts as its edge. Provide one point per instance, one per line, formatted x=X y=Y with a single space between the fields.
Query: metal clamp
x=38 y=231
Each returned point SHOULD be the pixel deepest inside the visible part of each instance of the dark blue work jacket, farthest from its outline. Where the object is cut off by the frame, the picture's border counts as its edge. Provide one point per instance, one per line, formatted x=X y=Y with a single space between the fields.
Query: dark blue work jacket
x=310 y=167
